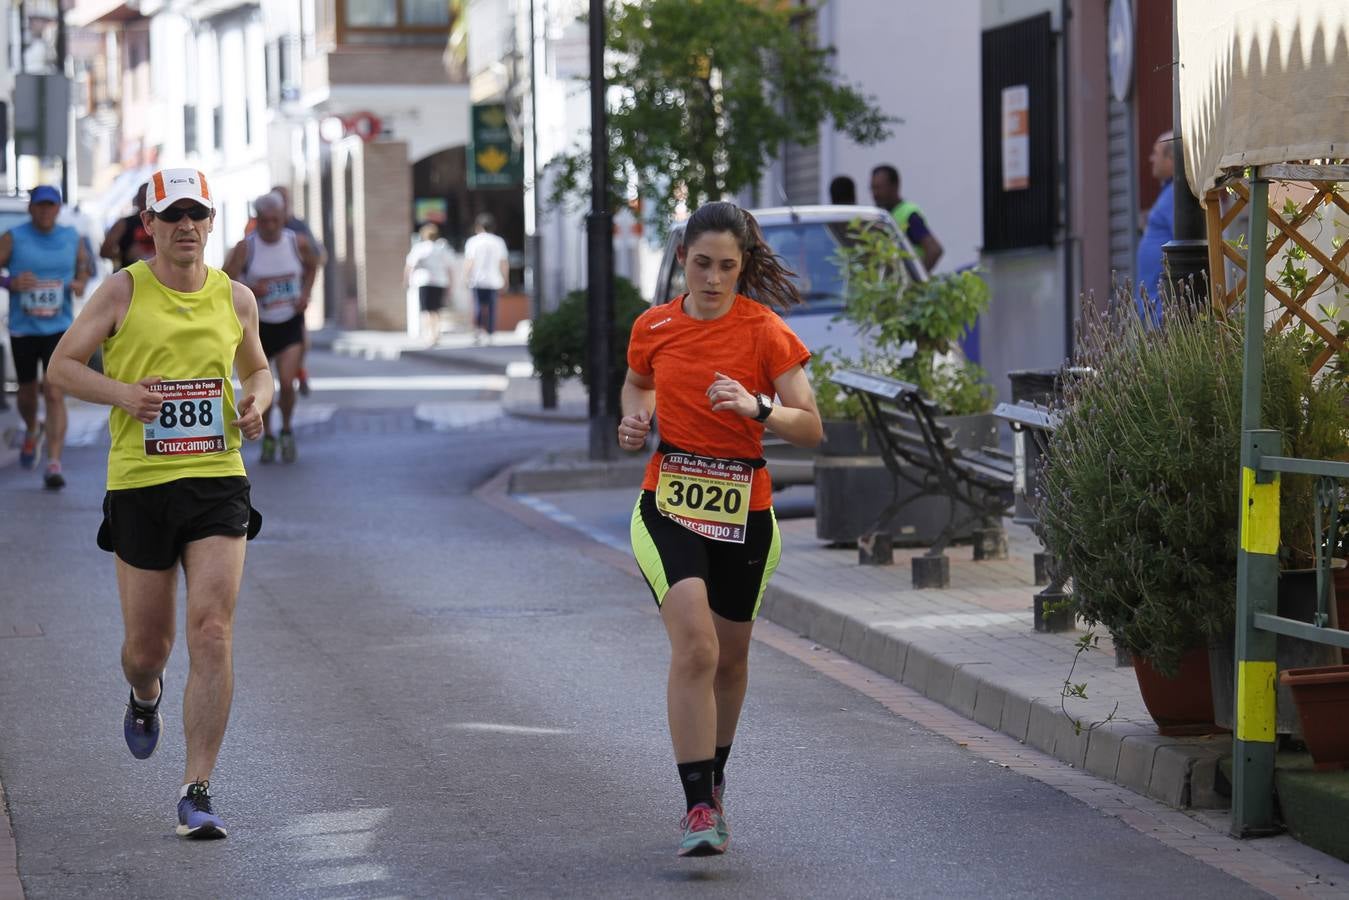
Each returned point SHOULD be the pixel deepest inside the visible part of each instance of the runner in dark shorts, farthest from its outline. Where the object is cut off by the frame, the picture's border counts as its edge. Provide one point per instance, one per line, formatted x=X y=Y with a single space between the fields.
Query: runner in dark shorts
x=703 y=530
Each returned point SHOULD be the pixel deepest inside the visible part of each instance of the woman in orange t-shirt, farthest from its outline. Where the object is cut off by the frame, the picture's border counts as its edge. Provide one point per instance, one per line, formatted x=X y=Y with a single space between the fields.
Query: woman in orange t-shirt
x=703 y=529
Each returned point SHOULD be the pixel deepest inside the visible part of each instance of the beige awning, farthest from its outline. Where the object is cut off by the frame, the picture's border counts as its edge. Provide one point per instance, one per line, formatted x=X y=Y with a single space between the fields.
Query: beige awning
x=1261 y=81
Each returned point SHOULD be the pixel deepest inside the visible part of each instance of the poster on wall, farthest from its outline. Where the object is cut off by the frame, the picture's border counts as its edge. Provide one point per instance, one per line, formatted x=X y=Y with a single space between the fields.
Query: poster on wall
x=1016 y=138
x=430 y=209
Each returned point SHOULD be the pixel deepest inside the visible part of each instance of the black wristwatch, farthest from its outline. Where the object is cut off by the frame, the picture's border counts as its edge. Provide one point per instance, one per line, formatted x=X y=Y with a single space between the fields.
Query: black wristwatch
x=765 y=407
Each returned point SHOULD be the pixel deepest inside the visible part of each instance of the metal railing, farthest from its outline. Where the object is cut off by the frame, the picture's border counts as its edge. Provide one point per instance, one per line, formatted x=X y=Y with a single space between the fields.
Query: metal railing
x=1262 y=462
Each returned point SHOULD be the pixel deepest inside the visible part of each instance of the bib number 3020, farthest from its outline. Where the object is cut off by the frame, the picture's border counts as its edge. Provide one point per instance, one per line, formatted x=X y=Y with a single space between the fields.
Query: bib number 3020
x=708 y=496
x=191 y=418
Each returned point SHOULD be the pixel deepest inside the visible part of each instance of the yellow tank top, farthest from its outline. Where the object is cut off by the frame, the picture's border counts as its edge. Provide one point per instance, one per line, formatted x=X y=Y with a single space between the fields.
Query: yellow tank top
x=189 y=340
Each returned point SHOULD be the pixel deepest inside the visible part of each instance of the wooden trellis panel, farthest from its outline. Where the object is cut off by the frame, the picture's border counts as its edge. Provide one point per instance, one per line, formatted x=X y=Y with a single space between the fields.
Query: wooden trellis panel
x=1295 y=307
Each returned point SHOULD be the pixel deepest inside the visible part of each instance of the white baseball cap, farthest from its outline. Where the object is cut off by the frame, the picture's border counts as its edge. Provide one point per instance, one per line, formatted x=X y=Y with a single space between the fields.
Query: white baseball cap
x=168 y=186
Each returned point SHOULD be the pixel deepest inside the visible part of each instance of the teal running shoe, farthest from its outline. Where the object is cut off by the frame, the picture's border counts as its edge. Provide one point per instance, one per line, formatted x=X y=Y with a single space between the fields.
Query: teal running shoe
x=718 y=798
x=702 y=835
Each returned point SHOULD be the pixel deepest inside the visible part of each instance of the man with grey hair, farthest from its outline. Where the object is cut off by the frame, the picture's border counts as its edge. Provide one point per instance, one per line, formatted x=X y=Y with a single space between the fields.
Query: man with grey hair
x=279 y=266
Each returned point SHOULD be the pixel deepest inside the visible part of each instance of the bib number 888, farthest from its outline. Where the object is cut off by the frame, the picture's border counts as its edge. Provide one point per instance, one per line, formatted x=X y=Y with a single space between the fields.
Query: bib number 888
x=711 y=499
x=186 y=413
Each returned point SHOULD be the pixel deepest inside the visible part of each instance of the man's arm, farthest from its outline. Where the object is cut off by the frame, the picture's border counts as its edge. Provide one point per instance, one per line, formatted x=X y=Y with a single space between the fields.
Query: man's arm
x=309 y=259
x=83 y=269
x=234 y=261
x=98 y=321
x=505 y=265
x=932 y=251
x=112 y=242
x=251 y=365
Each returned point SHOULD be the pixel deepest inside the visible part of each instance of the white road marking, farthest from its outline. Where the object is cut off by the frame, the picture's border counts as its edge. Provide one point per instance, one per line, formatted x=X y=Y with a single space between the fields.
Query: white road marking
x=409 y=383
x=570 y=521
x=502 y=728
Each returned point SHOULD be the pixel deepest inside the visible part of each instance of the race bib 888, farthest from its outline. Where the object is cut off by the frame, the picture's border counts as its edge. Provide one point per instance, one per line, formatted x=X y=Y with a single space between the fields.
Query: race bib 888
x=191 y=418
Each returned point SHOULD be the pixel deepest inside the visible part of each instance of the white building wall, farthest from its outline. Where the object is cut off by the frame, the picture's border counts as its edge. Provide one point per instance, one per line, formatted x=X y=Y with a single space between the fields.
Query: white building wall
x=919 y=61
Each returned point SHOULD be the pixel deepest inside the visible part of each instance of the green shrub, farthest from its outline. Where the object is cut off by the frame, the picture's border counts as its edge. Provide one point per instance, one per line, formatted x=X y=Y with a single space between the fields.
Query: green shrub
x=1140 y=494
x=890 y=313
x=558 y=339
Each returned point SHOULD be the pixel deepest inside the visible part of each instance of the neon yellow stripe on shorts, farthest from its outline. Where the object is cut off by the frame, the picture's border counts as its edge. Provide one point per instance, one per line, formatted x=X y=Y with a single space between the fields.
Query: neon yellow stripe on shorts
x=770 y=565
x=648 y=557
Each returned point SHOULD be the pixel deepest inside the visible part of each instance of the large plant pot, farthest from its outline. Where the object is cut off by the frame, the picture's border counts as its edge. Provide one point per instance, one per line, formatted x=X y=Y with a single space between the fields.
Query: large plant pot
x=1321 y=696
x=1182 y=705
x=1341 y=604
x=1297 y=600
x=851 y=491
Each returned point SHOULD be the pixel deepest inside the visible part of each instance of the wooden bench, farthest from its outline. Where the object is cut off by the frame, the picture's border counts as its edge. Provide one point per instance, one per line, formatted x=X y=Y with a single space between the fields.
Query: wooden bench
x=1032 y=427
x=921 y=451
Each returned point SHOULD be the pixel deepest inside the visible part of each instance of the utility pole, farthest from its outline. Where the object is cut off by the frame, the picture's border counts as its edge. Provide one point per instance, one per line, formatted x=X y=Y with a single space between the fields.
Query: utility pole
x=601 y=260
x=61 y=73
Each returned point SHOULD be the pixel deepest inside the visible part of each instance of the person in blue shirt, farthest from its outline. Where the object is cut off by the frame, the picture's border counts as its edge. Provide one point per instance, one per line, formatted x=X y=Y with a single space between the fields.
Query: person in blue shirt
x=1158 y=230
x=47 y=267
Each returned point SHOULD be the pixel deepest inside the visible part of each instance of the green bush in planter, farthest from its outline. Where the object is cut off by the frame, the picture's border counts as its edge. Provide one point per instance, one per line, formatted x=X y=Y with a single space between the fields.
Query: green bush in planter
x=1139 y=498
x=891 y=312
x=557 y=340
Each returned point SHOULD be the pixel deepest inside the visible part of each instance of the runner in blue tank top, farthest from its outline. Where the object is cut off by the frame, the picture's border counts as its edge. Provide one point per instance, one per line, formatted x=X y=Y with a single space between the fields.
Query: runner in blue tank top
x=48 y=267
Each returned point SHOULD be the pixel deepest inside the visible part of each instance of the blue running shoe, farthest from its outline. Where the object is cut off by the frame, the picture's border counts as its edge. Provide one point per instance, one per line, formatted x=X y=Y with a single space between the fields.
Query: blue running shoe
x=141 y=725
x=31 y=448
x=702 y=835
x=196 y=820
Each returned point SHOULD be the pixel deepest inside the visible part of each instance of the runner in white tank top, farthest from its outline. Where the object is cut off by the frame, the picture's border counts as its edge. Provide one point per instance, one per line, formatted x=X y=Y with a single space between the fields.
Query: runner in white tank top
x=279 y=266
x=274 y=271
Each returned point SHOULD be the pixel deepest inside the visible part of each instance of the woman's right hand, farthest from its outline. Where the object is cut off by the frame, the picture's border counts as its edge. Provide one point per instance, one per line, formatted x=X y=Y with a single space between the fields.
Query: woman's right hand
x=632 y=431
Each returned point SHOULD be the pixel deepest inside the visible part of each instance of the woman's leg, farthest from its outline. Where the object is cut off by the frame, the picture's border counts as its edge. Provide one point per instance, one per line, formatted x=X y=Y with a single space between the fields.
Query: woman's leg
x=692 y=705
x=732 y=675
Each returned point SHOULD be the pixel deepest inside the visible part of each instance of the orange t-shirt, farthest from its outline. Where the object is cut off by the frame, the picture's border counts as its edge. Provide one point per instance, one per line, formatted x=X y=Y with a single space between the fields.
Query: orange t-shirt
x=750 y=343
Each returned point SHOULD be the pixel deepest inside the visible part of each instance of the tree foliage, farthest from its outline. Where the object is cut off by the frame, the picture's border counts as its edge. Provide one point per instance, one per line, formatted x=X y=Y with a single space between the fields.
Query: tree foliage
x=703 y=92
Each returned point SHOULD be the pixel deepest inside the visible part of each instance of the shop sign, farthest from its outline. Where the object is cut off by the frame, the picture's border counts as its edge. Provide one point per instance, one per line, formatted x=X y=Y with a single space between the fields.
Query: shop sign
x=493 y=153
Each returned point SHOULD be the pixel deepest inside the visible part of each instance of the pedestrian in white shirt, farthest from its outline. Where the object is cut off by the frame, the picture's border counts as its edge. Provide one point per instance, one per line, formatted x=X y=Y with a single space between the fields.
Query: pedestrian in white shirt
x=428 y=268
x=487 y=269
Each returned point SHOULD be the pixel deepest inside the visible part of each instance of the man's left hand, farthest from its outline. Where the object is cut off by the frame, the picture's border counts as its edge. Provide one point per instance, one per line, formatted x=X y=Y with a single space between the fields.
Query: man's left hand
x=250 y=420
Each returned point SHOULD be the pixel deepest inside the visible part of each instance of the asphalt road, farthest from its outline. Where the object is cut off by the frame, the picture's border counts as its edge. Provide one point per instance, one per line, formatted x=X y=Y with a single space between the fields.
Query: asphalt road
x=433 y=700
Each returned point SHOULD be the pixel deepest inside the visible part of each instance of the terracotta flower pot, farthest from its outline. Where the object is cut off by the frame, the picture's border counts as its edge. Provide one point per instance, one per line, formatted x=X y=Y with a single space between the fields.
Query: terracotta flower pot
x=1341 y=582
x=1322 y=698
x=1182 y=705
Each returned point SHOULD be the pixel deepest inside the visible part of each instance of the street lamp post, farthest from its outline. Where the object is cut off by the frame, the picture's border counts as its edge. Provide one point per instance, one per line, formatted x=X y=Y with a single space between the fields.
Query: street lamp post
x=601 y=261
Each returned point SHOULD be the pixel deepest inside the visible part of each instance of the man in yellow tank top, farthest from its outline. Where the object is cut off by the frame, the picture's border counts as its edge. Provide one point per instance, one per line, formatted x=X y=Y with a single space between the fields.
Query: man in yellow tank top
x=172 y=331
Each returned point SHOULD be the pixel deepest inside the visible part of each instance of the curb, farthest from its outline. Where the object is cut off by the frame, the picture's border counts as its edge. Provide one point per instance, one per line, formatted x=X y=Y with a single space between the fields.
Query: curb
x=11 y=888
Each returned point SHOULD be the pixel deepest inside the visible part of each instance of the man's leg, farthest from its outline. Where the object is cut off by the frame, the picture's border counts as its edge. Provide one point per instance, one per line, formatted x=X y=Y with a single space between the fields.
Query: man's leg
x=287 y=369
x=27 y=402
x=148 y=608
x=55 y=402
x=214 y=567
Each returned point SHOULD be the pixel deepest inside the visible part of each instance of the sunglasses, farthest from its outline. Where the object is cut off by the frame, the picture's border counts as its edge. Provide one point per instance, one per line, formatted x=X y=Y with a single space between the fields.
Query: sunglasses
x=195 y=212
